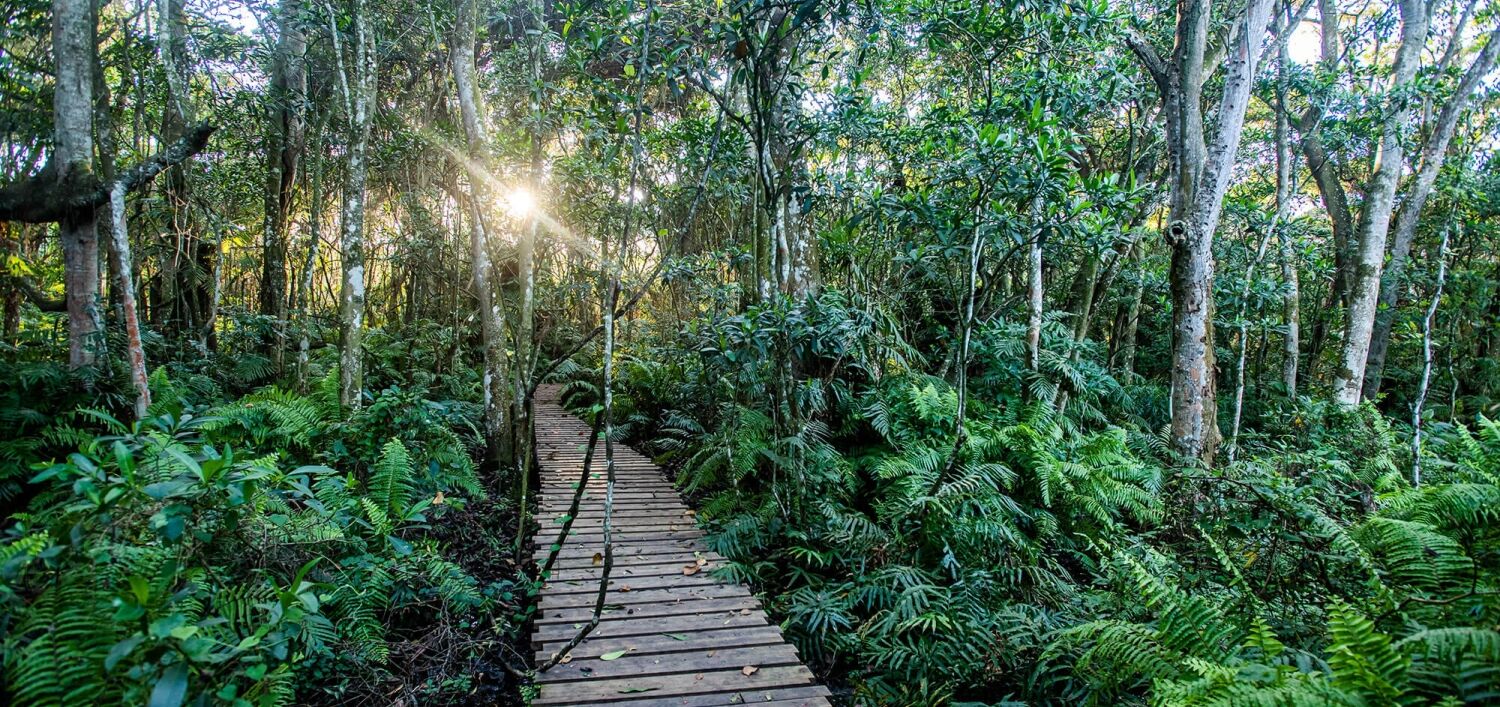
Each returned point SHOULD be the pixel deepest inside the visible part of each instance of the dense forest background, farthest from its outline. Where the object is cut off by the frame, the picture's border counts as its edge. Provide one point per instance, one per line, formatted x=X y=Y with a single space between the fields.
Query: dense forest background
x=1041 y=352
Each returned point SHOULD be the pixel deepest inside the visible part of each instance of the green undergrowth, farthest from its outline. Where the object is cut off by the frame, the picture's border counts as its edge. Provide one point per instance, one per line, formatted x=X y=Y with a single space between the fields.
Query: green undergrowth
x=1062 y=557
x=257 y=548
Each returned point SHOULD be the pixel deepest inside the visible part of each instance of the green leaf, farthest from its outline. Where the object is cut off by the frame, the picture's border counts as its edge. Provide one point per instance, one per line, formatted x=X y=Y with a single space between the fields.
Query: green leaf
x=614 y=655
x=172 y=688
x=629 y=690
x=676 y=636
x=121 y=650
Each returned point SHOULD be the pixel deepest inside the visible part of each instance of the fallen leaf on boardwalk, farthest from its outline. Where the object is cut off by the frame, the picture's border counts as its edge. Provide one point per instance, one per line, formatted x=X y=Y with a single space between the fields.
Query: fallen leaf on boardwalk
x=702 y=562
x=676 y=636
x=566 y=659
x=625 y=588
x=749 y=670
x=699 y=676
x=629 y=690
x=691 y=569
x=744 y=612
x=615 y=655
x=712 y=652
x=598 y=558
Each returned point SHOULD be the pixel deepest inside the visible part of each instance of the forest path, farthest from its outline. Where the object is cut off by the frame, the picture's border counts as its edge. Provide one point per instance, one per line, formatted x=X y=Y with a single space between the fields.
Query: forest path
x=688 y=639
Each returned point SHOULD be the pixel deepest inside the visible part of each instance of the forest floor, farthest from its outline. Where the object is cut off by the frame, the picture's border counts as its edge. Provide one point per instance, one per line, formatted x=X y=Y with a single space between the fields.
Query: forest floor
x=458 y=661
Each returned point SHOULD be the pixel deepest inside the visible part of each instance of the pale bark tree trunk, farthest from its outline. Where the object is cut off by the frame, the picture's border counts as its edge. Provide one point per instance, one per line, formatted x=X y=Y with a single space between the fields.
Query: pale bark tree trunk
x=491 y=317
x=1426 y=379
x=359 y=98
x=1244 y=334
x=284 y=143
x=1128 y=320
x=310 y=264
x=1434 y=152
x=1375 y=216
x=134 y=351
x=1291 y=297
x=72 y=105
x=1200 y=178
x=1034 y=292
x=976 y=257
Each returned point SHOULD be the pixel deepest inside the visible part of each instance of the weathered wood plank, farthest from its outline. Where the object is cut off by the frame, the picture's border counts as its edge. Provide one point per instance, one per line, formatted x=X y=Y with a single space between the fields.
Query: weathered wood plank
x=609 y=690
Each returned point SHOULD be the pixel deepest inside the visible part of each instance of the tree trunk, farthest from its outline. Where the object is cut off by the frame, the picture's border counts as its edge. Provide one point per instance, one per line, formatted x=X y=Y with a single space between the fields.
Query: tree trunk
x=1200 y=178
x=1127 y=320
x=360 y=103
x=135 y=353
x=1375 y=216
x=310 y=264
x=284 y=142
x=491 y=317
x=1034 y=293
x=1291 y=297
x=1426 y=379
x=1434 y=153
x=72 y=105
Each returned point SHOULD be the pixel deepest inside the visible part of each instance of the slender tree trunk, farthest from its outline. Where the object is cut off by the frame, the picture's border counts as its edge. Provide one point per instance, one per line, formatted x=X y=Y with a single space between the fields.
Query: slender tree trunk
x=72 y=104
x=1291 y=297
x=1123 y=343
x=360 y=104
x=491 y=317
x=135 y=352
x=1434 y=153
x=1426 y=379
x=1375 y=216
x=310 y=265
x=1034 y=292
x=284 y=143
x=1244 y=341
x=1291 y=315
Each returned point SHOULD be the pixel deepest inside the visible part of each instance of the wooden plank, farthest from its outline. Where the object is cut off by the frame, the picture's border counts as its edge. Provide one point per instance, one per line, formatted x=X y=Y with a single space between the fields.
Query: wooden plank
x=696 y=661
x=681 y=559
x=609 y=690
x=809 y=696
x=668 y=642
x=692 y=607
x=627 y=570
x=612 y=627
x=644 y=596
x=664 y=582
x=574 y=551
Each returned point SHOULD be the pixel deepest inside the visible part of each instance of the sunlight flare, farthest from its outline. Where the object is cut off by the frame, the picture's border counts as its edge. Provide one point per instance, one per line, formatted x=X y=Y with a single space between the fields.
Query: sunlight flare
x=520 y=203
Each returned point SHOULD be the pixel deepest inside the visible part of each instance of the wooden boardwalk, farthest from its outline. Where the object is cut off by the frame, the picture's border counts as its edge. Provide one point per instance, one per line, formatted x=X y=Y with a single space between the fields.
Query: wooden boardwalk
x=688 y=639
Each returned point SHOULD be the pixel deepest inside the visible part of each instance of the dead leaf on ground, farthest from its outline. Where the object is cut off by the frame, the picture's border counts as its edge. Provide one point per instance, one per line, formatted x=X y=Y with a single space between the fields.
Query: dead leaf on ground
x=598 y=558
x=690 y=570
x=749 y=670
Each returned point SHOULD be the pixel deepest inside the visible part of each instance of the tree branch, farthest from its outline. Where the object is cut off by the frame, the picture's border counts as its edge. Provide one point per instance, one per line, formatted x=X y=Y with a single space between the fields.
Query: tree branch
x=43 y=199
x=1149 y=58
